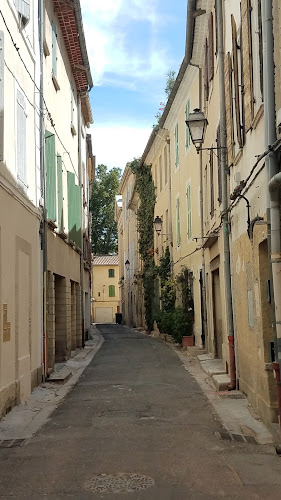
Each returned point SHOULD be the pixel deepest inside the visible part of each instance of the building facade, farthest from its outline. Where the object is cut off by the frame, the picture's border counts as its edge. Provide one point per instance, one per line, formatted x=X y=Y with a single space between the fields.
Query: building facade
x=105 y=289
x=46 y=164
x=217 y=206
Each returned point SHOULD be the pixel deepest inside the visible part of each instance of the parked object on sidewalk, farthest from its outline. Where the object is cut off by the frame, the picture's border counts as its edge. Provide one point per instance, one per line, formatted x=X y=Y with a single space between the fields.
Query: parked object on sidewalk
x=188 y=341
x=118 y=318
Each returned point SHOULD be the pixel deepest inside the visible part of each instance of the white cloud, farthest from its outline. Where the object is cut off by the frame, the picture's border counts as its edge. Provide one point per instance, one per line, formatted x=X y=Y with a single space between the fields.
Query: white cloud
x=106 y=24
x=115 y=145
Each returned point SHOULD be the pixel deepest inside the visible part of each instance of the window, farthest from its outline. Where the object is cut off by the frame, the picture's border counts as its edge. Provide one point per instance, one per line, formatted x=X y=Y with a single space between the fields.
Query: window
x=212 y=207
x=111 y=273
x=178 y=222
x=1 y=96
x=54 y=49
x=54 y=56
x=189 y=214
x=160 y=173
x=165 y=165
x=219 y=165
x=60 y=193
x=111 y=291
x=177 y=145
x=21 y=140
x=23 y=8
x=51 y=183
x=72 y=126
x=257 y=54
x=187 y=134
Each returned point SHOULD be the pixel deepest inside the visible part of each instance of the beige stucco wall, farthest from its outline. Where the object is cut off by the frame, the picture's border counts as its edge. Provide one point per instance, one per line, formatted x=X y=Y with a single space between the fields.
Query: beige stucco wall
x=20 y=286
x=100 y=289
x=20 y=248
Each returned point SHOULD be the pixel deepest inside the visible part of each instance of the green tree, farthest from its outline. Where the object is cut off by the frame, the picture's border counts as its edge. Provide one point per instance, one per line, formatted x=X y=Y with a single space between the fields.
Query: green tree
x=104 y=227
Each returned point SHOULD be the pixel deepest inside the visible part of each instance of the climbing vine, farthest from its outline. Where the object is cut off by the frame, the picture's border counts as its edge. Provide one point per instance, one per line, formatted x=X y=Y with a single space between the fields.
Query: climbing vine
x=145 y=216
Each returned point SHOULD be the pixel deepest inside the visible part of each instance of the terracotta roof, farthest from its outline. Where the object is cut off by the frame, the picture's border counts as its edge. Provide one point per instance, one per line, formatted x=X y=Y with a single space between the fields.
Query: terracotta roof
x=105 y=260
x=70 y=19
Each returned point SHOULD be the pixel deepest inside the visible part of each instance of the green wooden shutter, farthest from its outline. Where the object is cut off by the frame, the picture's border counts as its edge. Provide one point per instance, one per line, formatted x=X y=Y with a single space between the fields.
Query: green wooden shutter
x=54 y=49
x=177 y=145
x=189 y=213
x=187 y=134
x=111 y=273
x=178 y=222
x=74 y=210
x=111 y=291
x=51 y=188
x=60 y=194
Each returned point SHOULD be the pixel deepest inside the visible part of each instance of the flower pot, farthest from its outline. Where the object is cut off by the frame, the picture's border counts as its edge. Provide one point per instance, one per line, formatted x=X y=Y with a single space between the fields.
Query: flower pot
x=187 y=341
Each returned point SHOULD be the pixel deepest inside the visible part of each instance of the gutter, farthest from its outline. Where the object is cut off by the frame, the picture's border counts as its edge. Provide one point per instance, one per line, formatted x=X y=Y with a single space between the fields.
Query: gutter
x=190 y=25
x=82 y=41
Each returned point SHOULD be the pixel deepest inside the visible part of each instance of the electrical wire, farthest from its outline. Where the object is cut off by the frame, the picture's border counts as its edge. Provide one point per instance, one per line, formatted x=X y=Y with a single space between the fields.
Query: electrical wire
x=38 y=89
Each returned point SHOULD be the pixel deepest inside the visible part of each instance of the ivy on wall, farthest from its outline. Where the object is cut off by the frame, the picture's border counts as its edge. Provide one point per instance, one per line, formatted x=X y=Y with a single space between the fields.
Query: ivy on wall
x=145 y=216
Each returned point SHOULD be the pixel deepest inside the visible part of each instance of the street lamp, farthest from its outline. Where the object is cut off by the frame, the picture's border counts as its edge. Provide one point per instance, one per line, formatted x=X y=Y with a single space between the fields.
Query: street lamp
x=158 y=224
x=127 y=265
x=197 y=124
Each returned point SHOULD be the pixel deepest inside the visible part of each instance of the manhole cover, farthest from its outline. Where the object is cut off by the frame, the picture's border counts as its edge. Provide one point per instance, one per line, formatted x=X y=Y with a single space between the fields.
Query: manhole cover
x=118 y=483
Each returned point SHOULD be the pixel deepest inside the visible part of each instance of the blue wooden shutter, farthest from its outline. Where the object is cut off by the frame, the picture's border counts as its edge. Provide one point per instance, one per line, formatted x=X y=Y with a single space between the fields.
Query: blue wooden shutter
x=21 y=140
x=60 y=194
x=51 y=184
x=54 y=49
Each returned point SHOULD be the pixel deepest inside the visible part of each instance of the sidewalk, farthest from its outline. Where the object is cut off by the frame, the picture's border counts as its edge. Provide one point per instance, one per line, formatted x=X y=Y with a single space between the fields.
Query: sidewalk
x=231 y=407
x=24 y=420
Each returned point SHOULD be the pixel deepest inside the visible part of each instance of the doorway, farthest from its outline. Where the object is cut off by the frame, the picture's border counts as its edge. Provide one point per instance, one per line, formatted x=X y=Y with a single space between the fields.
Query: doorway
x=217 y=313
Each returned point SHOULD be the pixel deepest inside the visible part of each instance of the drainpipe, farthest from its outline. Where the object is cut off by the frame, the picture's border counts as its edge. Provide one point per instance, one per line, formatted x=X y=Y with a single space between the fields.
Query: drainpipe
x=82 y=218
x=225 y=221
x=44 y=225
x=203 y=284
x=274 y=183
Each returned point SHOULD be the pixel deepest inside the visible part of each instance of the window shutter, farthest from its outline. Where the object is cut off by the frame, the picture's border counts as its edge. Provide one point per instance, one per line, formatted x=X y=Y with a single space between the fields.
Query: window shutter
x=21 y=140
x=247 y=63
x=1 y=96
x=189 y=215
x=51 y=185
x=229 y=108
x=111 y=291
x=206 y=79
x=54 y=49
x=236 y=81
x=211 y=48
x=177 y=145
x=212 y=182
x=178 y=223
x=23 y=8
x=260 y=47
x=187 y=135
x=216 y=21
x=60 y=194
x=219 y=165
x=111 y=273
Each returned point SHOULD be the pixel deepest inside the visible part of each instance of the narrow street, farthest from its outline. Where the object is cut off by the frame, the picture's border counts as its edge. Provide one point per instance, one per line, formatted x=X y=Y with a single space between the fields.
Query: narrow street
x=136 y=426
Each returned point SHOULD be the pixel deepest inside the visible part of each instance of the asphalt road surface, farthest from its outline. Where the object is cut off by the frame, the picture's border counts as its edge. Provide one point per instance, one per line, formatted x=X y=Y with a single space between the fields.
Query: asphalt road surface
x=136 y=426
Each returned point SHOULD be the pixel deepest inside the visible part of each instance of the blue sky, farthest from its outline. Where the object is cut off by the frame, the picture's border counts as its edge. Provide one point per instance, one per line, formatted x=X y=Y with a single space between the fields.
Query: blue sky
x=132 y=44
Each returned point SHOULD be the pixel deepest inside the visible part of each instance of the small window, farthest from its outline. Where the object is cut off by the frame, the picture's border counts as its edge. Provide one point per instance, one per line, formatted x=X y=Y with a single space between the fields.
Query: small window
x=111 y=291
x=187 y=135
x=111 y=273
x=177 y=145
